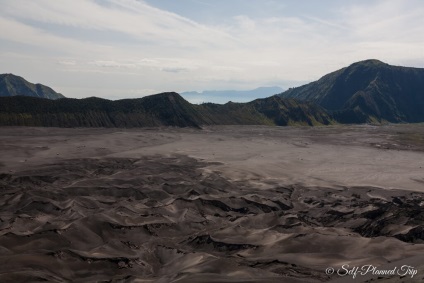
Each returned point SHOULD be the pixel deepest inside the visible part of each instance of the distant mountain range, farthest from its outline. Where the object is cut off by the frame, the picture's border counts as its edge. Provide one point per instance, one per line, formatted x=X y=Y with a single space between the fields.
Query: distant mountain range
x=11 y=85
x=368 y=91
x=364 y=92
x=166 y=109
x=224 y=96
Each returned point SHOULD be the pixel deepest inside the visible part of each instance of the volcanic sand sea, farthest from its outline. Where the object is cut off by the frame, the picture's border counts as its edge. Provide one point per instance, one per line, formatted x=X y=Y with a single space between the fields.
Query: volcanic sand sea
x=221 y=204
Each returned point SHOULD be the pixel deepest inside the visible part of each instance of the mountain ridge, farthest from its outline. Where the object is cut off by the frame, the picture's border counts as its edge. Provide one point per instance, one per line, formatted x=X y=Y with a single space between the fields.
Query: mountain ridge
x=224 y=96
x=165 y=109
x=368 y=91
x=12 y=85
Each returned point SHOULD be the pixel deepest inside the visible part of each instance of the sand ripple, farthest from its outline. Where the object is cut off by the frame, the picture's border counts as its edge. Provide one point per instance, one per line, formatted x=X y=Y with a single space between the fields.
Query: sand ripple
x=170 y=219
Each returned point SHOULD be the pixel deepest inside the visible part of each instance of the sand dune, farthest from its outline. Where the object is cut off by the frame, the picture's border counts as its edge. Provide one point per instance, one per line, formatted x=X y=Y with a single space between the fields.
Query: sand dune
x=222 y=204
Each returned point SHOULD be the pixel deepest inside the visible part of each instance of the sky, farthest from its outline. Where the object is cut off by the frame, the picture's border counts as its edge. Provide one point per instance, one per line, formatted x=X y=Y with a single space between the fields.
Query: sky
x=131 y=48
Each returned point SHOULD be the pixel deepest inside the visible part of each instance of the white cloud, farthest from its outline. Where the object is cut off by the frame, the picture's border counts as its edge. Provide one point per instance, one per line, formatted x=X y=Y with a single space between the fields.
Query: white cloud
x=67 y=62
x=245 y=22
x=227 y=68
x=161 y=50
x=130 y=17
x=113 y=64
x=170 y=64
x=173 y=69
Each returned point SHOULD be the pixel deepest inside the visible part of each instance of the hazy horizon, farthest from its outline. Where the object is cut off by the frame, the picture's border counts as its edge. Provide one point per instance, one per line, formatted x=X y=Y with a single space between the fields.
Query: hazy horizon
x=126 y=48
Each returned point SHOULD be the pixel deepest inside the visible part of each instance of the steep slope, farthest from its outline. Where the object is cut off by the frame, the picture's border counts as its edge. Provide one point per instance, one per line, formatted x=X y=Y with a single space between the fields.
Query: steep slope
x=11 y=85
x=368 y=91
x=165 y=109
x=223 y=96
x=267 y=111
x=289 y=111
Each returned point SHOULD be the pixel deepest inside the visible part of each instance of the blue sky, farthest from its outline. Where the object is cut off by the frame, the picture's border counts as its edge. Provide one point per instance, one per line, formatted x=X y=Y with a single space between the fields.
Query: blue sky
x=127 y=48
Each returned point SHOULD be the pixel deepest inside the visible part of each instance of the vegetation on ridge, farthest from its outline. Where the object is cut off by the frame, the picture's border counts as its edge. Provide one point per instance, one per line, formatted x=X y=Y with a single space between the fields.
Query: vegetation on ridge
x=364 y=92
x=166 y=109
x=11 y=85
x=368 y=91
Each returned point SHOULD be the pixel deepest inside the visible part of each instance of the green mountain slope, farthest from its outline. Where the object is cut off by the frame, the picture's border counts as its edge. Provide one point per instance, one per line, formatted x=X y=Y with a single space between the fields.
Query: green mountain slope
x=11 y=85
x=267 y=111
x=368 y=91
x=165 y=109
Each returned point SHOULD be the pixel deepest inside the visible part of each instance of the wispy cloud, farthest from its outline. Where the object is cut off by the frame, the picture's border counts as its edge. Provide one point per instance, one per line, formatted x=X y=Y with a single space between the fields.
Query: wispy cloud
x=162 y=50
x=113 y=64
x=67 y=62
x=134 y=18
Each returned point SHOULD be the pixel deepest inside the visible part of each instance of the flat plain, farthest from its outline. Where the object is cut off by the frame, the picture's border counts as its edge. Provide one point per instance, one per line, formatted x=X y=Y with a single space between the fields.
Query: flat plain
x=219 y=204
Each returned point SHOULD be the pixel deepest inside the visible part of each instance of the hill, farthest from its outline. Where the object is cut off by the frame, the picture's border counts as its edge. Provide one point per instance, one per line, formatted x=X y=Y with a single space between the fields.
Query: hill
x=11 y=85
x=165 y=109
x=368 y=91
x=223 y=96
x=266 y=111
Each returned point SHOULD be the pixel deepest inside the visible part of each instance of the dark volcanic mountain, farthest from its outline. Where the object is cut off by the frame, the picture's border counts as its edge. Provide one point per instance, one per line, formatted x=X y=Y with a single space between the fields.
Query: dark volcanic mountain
x=273 y=110
x=11 y=85
x=166 y=109
x=368 y=91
